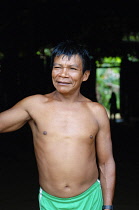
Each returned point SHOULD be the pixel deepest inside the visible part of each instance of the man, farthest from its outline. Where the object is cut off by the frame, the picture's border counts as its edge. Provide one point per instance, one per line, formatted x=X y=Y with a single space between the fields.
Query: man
x=113 y=106
x=71 y=136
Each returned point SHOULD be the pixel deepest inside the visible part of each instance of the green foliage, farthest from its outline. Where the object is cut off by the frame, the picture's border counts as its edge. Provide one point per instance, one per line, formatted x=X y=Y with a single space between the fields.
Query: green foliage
x=1 y=55
x=44 y=52
x=107 y=79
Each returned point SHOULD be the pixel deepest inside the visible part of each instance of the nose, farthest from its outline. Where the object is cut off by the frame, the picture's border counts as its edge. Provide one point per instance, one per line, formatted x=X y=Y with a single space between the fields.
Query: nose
x=64 y=72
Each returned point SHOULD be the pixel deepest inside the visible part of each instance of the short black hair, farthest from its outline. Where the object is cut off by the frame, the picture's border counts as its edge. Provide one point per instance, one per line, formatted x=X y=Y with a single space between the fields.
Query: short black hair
x=70 y=48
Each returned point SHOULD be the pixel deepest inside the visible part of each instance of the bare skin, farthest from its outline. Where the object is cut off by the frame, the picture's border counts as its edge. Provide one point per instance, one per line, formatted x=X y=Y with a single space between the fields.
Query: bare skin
x=68 y=131
x=66 y=154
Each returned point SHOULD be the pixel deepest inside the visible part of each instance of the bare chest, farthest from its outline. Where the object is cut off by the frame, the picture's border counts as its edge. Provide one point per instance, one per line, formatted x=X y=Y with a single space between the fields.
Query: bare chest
x=66 y=123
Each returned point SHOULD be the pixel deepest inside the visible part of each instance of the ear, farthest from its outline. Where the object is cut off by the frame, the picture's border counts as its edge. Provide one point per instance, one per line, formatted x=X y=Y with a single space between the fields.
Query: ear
x=86 y=75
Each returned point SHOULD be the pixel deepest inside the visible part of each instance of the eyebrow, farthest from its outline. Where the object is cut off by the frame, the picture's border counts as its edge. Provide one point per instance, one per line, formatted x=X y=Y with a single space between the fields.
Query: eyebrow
x=74 y=65
x=56 y=64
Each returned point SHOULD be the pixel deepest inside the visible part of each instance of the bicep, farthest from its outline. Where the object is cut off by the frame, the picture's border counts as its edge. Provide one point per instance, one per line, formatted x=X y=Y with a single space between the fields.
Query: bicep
x=13 y=118
x=103 y=139
x=104 y=147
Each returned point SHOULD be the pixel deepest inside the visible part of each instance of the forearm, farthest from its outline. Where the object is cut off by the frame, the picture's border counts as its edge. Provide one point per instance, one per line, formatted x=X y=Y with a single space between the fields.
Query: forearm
x=107 y=179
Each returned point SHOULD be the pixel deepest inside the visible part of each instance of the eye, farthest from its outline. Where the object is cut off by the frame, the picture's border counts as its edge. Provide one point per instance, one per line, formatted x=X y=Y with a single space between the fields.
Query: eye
x=73 y=68
x=56 y=67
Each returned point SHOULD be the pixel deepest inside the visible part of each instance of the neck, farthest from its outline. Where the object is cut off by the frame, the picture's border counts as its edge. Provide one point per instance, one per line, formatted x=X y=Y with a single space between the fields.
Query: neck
x=68 y=98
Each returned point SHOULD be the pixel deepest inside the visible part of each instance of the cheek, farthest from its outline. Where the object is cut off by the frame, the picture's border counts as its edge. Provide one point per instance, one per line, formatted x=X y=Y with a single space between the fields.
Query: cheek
x=75 y=75
x=54 y=74
x=78 y=77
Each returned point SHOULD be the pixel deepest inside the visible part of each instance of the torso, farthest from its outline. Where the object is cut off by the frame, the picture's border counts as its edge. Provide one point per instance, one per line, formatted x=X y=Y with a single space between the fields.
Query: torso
x=64 y=143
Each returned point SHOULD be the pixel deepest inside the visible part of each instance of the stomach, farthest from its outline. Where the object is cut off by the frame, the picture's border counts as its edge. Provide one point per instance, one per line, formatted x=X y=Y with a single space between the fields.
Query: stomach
x=66 y=170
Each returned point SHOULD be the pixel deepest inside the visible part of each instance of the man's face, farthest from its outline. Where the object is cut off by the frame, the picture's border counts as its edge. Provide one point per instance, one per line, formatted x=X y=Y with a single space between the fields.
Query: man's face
x=67 y=73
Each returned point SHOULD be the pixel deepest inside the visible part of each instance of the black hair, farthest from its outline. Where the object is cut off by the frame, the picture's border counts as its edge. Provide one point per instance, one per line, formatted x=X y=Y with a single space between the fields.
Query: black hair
x=70 y=48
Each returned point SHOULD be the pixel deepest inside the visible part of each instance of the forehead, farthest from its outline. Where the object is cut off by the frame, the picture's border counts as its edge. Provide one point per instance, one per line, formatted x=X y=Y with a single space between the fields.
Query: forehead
x=71 y=60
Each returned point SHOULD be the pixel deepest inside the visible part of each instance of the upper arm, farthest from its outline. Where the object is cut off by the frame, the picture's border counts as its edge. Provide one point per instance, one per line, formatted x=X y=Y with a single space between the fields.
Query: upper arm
x=103 y=138
x=15 y=117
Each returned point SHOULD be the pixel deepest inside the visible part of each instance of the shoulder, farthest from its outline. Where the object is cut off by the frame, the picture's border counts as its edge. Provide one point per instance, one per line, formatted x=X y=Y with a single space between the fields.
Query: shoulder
x=96 y=106
x=32 y=101
x=98 y=111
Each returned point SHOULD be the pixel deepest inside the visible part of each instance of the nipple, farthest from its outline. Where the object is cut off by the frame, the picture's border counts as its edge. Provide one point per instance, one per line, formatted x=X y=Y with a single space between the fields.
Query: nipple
x=91 y=137
x=44 y=133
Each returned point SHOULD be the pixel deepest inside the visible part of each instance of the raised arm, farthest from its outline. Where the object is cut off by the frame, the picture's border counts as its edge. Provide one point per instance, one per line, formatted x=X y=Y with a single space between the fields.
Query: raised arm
x=15 y=117
x=106 y=161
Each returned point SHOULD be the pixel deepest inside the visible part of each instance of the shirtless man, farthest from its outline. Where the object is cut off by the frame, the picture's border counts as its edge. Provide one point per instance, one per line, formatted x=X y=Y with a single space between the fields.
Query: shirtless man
x=71 y=136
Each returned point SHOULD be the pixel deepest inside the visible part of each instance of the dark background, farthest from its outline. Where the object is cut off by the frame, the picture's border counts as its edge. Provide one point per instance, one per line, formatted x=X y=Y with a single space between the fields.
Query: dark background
x=26 y=27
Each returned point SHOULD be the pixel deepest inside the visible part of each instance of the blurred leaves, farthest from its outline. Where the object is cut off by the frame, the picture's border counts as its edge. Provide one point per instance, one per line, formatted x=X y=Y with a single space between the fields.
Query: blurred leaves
x=107 y=79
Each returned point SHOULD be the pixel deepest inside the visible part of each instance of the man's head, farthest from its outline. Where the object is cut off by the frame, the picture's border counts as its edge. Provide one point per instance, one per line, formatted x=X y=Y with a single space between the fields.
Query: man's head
x=70 y=67
x=69 y=48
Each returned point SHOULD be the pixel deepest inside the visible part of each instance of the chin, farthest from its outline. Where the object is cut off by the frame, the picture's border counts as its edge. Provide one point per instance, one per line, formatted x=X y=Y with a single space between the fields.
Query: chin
x=63 y=91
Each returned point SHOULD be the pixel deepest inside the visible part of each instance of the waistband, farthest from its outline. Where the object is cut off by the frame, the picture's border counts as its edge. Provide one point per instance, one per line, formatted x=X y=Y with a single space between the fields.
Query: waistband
x=74 y=198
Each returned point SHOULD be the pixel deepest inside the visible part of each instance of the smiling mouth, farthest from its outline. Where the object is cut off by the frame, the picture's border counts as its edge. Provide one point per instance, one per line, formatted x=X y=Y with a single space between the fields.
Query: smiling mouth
x=63 y=83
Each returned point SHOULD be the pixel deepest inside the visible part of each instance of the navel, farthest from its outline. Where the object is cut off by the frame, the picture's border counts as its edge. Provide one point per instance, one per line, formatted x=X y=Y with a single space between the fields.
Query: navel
x=67 y=187
x=44 y=132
